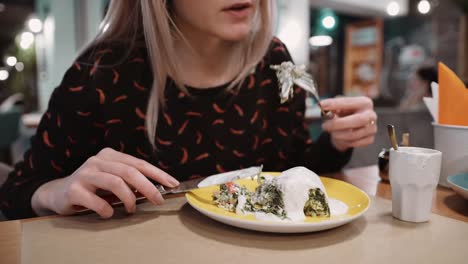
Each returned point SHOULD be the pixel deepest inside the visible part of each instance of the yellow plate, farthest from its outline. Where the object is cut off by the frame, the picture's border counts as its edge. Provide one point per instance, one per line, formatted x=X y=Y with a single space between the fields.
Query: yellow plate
x=357 y=201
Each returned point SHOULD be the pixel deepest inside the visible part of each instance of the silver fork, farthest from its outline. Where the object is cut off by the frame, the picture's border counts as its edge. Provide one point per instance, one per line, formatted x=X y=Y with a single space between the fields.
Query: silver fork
x=289 y=74
x=308 y=84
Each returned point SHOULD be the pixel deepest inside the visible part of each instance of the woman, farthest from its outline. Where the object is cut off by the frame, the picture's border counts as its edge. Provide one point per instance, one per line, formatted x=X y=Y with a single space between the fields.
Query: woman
x=179 y=88
x=419 y=86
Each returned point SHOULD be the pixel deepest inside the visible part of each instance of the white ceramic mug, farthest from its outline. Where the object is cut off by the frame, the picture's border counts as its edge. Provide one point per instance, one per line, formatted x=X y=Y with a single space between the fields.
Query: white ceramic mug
x=414 y=174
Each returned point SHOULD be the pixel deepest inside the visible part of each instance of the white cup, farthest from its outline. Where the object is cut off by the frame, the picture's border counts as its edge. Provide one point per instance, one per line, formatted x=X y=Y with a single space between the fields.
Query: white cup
x=414 y=174
x=453 y=142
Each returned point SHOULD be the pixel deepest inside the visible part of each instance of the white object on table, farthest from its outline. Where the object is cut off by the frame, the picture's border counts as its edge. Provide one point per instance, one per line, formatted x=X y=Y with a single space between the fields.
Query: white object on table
x=414 y=174
x=230 y=176
x=452 y=141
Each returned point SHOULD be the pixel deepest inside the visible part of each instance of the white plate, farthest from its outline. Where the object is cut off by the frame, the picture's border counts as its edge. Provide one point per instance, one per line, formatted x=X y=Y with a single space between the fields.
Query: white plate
x=229 y=176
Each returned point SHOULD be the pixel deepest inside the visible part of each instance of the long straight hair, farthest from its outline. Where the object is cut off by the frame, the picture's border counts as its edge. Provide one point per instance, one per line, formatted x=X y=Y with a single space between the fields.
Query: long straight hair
x=127 y=19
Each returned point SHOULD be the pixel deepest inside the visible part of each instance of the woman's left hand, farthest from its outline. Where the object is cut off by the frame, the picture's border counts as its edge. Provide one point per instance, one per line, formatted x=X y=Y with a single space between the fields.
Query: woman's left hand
x=354 y=124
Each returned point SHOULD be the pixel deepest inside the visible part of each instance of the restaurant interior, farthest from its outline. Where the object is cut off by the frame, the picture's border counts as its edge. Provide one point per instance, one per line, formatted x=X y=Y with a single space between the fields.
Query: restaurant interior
x=388 y=50
x=40 y=39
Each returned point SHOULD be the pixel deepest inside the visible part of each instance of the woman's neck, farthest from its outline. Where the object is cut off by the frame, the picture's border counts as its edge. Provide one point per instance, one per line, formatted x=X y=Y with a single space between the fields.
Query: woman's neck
x=206 y=61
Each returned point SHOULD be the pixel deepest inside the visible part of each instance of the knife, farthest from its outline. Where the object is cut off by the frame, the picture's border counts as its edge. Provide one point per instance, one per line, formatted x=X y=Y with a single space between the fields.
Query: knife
x=185 y=186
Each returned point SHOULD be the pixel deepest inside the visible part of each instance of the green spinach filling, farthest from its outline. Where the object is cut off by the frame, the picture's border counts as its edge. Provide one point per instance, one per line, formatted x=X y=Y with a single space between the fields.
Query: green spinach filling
x=317 y=204
x=228 y=196
x=268 y=199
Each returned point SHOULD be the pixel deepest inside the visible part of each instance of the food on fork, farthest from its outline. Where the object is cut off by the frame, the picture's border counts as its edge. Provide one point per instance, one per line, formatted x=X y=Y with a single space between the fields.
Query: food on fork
x=295 y=194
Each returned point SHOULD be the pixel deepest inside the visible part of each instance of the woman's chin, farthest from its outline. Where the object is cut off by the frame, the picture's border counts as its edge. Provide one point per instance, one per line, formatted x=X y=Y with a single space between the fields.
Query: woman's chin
x=233 y=31
x=235 y=36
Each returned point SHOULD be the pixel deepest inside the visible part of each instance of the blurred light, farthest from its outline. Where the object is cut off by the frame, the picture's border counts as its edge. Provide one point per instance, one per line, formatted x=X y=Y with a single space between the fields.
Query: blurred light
x=104 y=27
x=329 y=22
x=35 y=25
x=320 y=41
x=19 y=66
x=4 y=75
x=2 y=7
x=27 y=36
x=393 y=8
x=49 y=27
x=25 y=45
x=424 y=7
x=11 y=61
x=27 y=39
x=290 y=33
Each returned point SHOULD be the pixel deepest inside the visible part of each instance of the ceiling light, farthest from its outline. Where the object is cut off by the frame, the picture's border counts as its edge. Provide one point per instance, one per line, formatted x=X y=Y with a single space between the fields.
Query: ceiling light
x=25 y=45
x=19 y=66
x=27 y=36
x=393 y=8
x=320 y=41
x=424 y=7
x=329 y=22
x=4 y=75
x=35 y=25
x=11 y=61
x=27 y=39
x=2 y=7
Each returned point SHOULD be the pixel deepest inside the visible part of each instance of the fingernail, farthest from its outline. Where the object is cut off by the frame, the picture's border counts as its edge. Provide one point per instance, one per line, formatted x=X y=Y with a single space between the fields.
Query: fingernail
x=173 y=182
x=133 y=209
x=108 y=213
x=159 y=200
x=325 y=103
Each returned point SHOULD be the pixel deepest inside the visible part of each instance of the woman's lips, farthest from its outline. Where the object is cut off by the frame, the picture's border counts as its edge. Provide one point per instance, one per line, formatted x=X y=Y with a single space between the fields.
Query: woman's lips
x=239 y=10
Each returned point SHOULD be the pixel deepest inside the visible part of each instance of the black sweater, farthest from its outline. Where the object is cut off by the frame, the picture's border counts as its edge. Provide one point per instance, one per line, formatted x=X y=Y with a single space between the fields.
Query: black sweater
x=102 y=102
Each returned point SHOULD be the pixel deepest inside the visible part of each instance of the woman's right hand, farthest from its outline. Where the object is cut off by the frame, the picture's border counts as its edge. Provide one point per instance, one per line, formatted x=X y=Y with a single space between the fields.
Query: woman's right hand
x=109 y=170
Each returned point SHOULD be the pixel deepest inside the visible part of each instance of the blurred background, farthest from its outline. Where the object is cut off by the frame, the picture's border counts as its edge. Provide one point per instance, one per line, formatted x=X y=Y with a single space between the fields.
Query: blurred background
x=387 y=50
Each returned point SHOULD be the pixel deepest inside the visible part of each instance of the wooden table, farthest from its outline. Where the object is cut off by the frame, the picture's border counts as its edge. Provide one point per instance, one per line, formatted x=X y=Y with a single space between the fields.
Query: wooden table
x=446 y=204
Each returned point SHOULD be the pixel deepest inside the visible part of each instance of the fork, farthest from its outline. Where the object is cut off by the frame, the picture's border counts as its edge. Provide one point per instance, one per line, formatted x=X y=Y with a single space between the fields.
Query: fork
x=289 y=74
x=308 y=84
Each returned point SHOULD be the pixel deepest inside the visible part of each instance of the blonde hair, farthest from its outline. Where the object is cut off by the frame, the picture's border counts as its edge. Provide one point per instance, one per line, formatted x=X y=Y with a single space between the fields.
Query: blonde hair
x=127 y=19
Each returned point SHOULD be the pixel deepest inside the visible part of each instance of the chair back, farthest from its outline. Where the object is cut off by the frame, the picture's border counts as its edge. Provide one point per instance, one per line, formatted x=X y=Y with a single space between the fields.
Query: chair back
x=4 y=171
x=9 y=127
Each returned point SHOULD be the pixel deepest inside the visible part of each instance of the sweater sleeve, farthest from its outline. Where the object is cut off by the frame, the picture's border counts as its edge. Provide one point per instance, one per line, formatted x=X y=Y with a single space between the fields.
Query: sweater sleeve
x=320 y=156
x=65 y=137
